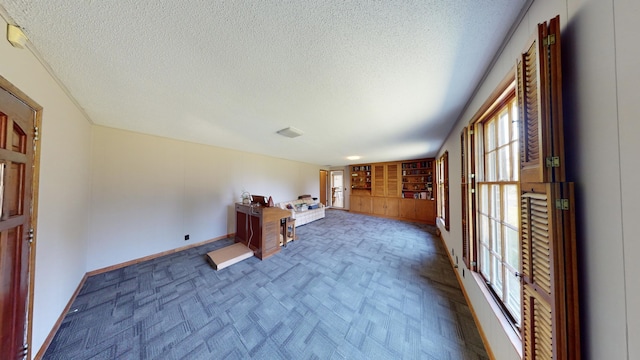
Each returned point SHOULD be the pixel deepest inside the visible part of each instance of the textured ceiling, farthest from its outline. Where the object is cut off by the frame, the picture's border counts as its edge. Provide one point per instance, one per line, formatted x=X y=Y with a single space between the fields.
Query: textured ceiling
x=381 y=79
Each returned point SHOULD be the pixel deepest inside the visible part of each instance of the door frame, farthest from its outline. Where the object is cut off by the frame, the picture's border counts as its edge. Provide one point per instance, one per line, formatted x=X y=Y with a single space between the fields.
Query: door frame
x=342 y=187
x=13 y=90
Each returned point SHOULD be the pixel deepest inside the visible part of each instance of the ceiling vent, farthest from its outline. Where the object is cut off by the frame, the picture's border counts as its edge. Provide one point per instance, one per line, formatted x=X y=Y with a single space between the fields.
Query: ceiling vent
x=290 y=132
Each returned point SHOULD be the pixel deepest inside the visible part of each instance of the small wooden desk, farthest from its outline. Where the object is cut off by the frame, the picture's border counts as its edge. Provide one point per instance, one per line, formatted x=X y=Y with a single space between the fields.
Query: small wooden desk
x=260 y=227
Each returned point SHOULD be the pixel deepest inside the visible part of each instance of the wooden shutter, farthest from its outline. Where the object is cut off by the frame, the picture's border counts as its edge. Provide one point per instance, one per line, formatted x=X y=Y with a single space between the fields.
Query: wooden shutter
x=464 y=198
x=393 y=180
x=468 y=198
x=378 y=180
x=539 y=84
x=550 y=325
x=445 y=189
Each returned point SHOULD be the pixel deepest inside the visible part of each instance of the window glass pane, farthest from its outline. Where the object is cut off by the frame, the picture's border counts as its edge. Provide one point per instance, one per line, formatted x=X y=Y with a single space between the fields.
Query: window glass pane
x=484 y=229
x=513 y=296
x=512 y=248
x=484 y=263
x=490 y=136
x=495 y=201
x=504 y=164
x=496 y=280
x=484 y=198
x=503 y=128
x=496 y=240
x=490 y=167
x=511 y=205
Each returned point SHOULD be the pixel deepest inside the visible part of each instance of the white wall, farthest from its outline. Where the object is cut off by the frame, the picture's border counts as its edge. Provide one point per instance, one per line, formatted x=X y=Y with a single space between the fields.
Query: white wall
x=626 y=14
x=148 y=192
x=64 y=187
x=600 y=77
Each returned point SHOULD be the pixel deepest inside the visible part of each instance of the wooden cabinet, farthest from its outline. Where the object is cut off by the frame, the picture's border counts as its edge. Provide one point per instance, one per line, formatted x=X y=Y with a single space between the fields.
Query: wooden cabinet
x=419 y=210
x=386 y=206
x=361 y=203
x=260 y=228
x=401 y=190
x=386 y=179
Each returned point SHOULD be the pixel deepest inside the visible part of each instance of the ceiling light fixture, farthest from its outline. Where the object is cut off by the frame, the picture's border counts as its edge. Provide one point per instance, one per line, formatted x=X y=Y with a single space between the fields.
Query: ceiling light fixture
x=353 y=157
x=290 y=132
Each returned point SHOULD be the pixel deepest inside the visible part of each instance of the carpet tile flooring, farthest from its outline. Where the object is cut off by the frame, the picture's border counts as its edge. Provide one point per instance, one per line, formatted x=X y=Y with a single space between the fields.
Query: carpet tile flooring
x=352 y=287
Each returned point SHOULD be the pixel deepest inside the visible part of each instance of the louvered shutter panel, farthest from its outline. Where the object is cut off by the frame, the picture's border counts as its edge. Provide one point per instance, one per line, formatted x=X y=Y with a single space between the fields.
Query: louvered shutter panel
x=540 y=105
x=378 y=180
x=464 y=198
x=393 y=180
x=445 y=189
x=550 y=325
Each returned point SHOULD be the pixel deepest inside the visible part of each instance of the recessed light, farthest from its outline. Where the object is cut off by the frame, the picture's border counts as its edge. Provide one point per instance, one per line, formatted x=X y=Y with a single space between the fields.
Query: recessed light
x=290 y=132
x=353 y=157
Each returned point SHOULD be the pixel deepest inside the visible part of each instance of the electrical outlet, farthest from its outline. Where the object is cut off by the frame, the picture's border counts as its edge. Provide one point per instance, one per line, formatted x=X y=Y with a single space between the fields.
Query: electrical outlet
x=186 y=237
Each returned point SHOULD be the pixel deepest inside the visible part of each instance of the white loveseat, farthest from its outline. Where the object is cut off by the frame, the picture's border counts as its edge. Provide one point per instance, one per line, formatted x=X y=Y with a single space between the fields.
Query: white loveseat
x=304 y=210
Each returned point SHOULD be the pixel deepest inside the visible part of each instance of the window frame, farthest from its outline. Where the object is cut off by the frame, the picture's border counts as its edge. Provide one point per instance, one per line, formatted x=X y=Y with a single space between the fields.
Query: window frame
x=501 y=95
x=442 y=178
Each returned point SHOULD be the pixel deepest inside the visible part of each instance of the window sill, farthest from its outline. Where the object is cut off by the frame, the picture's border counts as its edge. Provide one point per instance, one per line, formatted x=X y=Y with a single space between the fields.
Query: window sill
x=511 y=332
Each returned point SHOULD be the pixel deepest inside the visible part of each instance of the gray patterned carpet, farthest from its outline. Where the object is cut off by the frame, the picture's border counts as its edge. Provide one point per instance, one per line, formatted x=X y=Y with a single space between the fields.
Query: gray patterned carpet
x=352 y=287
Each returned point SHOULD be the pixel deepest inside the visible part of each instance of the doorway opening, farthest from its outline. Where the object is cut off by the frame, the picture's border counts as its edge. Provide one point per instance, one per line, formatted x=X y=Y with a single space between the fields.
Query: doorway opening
x=337 y=186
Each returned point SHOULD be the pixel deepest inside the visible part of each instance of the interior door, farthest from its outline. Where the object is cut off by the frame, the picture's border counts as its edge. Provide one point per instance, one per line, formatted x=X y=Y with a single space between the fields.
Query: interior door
x=17 y=124
x=323 y=187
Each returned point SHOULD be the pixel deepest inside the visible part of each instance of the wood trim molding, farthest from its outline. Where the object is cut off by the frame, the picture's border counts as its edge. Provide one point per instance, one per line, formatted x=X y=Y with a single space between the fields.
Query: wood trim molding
x=154 y=256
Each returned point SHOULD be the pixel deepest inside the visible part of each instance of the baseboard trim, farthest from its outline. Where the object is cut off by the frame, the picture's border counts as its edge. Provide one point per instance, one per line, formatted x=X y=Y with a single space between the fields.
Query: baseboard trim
x=466 y=297
x=154 y=256
x=56 y=326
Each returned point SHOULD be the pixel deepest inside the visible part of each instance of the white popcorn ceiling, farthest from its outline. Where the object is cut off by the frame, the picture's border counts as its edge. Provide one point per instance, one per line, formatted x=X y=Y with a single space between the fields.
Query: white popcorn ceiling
x=385 y=80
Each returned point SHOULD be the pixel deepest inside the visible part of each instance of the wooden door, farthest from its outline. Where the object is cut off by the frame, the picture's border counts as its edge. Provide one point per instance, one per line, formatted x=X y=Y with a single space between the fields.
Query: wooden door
x=324 y=188
x=17 y=128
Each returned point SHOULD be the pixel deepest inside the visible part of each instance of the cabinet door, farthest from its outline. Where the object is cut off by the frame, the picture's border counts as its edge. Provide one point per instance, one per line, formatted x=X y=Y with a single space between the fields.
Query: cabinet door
x=426 y=211
x=386 y=180
x=393 y=207
x=365 y=204
x=354 y=203
x=378 y=180
x=393 y=185
x=379 y=205
x=408 y=208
